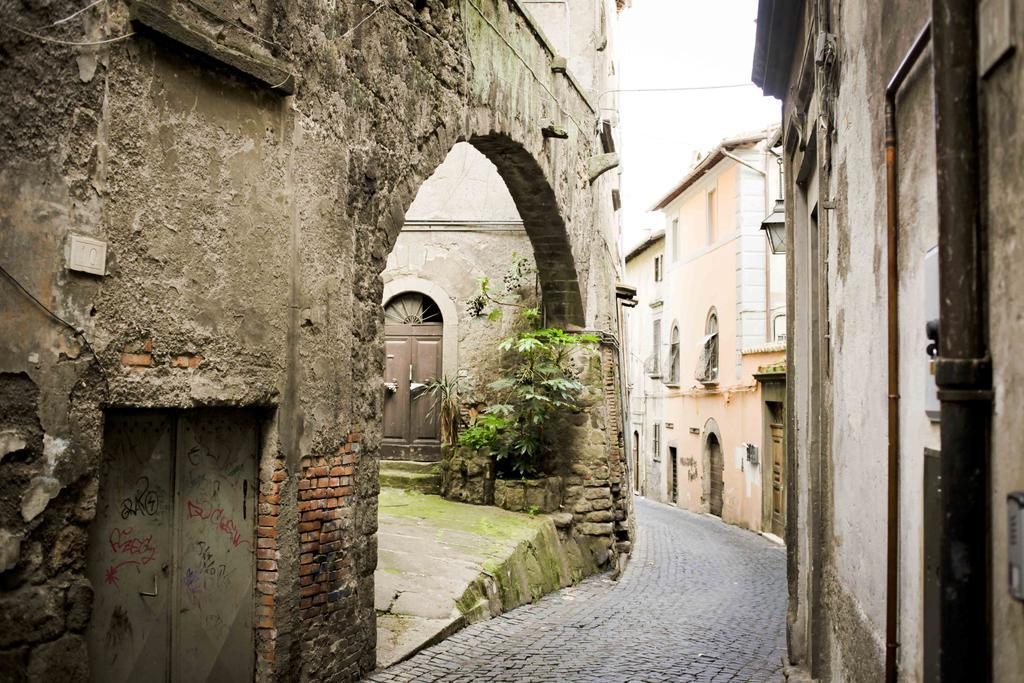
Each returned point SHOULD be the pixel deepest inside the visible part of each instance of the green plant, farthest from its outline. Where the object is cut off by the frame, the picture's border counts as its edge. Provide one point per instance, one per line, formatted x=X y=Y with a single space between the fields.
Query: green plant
x=534 y=397
x=446 y=392
x=533 y=510
x=490 y=301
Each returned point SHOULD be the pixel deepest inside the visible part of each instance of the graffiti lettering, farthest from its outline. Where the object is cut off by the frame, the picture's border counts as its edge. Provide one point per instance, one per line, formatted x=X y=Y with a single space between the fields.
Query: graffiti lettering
x=208 y=574
x=216 y=517
x=144 y=502
x=140 y=551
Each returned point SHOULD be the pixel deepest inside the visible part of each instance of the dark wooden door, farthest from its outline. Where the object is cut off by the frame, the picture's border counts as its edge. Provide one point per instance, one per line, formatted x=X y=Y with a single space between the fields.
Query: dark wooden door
x=778 y=481
x=411 y=427
x=717 y=466
x=171 y=555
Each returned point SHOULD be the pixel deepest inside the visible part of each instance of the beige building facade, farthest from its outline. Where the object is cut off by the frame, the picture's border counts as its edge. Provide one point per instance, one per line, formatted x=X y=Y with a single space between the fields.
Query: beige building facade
x=711 y=305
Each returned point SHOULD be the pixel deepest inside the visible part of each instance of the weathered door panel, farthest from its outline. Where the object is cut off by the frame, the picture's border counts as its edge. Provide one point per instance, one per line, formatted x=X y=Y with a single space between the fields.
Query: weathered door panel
x=717 y=462
x=396 y=403
x=215 y=511
x=130 y=550
x=426 y=366
x=414 y=356
x=778 y=482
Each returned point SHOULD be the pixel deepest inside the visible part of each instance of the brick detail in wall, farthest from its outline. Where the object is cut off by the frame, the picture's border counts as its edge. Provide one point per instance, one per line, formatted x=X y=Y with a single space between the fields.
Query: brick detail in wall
x=268 y=556
x=616 y=451
x=325 y=511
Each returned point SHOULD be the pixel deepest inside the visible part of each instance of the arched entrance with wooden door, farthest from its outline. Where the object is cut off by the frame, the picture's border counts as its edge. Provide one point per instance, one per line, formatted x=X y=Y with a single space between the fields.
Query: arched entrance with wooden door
x=414 y=331
x=714 y=469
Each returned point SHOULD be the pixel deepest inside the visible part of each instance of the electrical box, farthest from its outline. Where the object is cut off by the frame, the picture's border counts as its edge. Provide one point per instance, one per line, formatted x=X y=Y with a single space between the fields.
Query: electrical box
x=932 y=407
x=88 y=255
x=1015 y=553
x=752 y=454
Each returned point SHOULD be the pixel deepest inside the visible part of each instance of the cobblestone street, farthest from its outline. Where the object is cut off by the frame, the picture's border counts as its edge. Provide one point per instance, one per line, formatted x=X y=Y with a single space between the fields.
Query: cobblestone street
x=699 y=601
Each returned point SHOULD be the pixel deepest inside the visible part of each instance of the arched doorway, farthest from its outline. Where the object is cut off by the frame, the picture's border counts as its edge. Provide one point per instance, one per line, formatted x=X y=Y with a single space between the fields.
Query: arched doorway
x=715 y=474
x=413 y=330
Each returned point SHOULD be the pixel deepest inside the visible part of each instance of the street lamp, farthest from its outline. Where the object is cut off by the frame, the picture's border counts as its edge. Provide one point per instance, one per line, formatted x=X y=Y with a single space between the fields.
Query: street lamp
x=775 y=227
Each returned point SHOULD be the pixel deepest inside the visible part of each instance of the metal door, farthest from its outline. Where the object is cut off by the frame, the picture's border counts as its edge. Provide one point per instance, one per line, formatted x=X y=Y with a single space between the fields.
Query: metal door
x=411 y=427
x=717 y=463
x=778 y=481
x=212 y=633
x=130 y=550
x=171 y=550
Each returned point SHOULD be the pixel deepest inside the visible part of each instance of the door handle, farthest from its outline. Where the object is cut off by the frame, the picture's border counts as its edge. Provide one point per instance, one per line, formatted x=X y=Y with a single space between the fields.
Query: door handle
x=155 y=590
x=416 y=386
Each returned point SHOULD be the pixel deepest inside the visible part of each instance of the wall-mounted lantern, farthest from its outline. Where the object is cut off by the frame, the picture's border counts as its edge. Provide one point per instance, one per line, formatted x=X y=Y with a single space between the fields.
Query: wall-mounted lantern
x=775 y=227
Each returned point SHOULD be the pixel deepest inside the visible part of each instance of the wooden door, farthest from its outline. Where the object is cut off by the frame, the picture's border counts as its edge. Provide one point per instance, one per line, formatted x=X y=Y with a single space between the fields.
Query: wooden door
x=778 y=481
x=171 y=550
x=411 y=426
x=717 y=484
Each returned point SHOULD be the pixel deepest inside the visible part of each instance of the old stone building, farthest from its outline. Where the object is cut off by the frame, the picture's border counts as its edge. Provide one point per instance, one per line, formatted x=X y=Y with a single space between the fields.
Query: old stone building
x=902 y=147
x=711 y=314
x=197 y=202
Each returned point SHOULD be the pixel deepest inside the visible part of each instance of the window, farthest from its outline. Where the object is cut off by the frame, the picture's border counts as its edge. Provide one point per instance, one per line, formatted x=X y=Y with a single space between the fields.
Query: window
x=707 y=366
x=675 y=240
x=712 y=214
x=673 y=356
x=659 y=268
x=656 y=442
x=656 y=346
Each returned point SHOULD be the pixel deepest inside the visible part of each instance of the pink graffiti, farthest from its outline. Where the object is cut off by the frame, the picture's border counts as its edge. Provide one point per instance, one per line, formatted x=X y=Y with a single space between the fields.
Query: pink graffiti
x=140 y=551
x=217 y=517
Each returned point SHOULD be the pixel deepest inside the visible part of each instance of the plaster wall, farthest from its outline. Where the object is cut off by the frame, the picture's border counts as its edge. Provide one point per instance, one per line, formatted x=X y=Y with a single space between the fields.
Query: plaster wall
x=1002 y=94
x=837 y=329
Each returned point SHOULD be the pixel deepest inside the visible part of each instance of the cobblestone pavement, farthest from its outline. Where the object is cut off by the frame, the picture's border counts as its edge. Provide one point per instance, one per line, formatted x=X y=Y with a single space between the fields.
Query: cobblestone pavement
x=699 y=601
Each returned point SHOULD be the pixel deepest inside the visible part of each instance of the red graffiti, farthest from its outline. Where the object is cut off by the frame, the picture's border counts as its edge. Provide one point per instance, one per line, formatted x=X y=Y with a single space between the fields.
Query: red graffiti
x=139 y=549
x=217 y=517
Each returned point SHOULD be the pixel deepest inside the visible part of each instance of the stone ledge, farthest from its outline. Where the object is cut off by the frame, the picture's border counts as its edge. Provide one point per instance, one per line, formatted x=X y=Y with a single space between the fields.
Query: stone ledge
x=160 y=20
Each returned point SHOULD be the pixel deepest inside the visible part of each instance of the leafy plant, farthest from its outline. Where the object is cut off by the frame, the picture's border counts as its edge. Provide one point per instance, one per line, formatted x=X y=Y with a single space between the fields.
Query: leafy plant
x=491 y=301
x=533 y=398
x=446 y=392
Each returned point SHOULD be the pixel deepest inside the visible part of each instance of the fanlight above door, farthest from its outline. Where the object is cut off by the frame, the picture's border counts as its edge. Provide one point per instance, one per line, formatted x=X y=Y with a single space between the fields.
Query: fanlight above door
x=412 y=308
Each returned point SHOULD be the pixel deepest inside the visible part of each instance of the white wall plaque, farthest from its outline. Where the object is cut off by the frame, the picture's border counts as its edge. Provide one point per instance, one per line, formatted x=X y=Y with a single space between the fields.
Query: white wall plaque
x=88 y=255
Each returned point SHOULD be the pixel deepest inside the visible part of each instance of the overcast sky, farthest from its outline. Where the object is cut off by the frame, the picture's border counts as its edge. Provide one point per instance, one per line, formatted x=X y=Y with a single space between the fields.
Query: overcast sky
x=680 y=43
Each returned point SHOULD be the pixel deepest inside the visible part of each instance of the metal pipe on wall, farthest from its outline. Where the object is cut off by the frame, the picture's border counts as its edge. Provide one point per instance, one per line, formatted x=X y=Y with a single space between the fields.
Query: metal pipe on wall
x=892 y=289
x=963 y=370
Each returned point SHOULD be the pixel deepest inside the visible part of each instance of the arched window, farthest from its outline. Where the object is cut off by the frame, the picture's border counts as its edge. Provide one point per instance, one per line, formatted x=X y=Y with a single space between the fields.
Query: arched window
x=707 y=367
x=673 y=356
x=412 y=308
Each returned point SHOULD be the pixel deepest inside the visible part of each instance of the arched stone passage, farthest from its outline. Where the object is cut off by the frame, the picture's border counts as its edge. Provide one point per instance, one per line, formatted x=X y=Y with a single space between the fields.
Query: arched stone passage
x=539 y=208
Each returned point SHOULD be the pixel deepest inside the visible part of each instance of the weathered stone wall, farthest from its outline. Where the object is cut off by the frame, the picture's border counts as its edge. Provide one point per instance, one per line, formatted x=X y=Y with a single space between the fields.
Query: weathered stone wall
x=247 y=221
x=833 y=123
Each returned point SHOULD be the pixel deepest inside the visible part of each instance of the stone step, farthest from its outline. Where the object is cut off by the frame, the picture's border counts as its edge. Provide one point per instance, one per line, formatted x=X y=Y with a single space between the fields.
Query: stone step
x=425 y=479
x=410 y=465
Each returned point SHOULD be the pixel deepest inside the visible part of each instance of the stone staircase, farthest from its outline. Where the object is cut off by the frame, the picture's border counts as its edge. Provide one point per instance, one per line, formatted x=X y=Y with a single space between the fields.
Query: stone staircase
x=423 y=477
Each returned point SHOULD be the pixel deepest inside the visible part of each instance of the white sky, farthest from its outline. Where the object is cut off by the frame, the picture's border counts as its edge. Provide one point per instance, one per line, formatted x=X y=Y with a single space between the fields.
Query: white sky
x=681 y=43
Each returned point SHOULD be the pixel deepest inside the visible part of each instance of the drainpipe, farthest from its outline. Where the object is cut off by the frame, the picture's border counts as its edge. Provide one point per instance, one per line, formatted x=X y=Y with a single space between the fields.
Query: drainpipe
x=963 y=370
x=892 y=288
